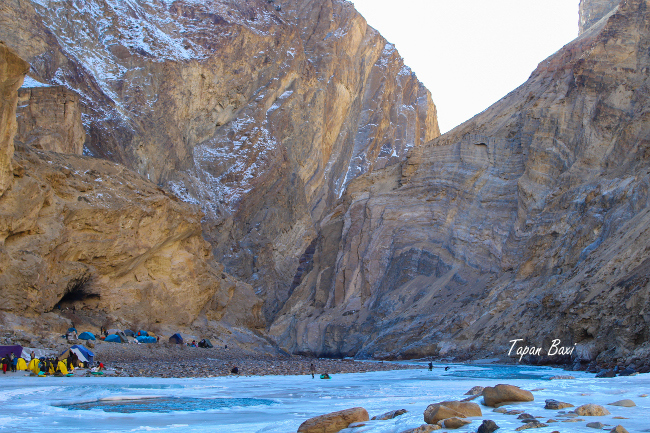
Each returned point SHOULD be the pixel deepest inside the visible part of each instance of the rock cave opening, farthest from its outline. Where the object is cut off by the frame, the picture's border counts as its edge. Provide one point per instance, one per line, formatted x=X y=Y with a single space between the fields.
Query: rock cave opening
x=78 y=296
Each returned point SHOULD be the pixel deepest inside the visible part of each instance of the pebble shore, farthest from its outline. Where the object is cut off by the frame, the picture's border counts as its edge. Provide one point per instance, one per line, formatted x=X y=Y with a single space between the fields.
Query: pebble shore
x=178 y=361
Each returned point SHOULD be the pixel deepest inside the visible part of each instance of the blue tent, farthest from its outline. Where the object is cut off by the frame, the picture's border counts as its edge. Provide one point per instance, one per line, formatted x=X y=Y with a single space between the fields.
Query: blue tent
x=142 y=333
x=146 y=339
x=113 y=338
x=86 y=336
x=176 y=339
x=72 y=329
x=87 y=353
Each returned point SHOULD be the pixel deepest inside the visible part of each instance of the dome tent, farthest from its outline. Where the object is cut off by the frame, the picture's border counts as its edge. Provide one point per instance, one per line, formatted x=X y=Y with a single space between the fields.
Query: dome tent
x=113 y=338
x=176 y=339
x=86 y=336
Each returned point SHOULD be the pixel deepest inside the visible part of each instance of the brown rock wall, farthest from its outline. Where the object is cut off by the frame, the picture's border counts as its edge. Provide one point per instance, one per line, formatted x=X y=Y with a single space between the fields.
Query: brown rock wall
x=49 y=118
x=78 y=231
x=260 y=116
x=528 y=221
x=12 y=72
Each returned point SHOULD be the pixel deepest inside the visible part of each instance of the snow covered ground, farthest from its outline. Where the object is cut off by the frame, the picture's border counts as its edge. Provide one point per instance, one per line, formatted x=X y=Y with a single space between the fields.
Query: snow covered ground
x=281 y=403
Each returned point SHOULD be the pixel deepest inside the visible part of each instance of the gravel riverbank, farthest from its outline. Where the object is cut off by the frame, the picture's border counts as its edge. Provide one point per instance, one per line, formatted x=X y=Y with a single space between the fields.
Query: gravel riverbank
x=170 y=360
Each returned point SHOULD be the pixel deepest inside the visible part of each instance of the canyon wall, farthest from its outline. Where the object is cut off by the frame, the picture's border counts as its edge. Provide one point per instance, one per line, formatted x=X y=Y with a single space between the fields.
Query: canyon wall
x=259 y=112
x=528 y=221
x=315 y=157
x=88 y=233
x=12 y=72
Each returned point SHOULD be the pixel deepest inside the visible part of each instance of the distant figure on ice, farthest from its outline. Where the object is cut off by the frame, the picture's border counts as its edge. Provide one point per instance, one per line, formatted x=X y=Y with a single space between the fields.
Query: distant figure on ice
x=446 y=368
x=430 y=366
x=312 y=368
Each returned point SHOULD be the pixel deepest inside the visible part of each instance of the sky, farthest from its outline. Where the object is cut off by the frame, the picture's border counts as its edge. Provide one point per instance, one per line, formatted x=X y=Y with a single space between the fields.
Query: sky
x=471 y=53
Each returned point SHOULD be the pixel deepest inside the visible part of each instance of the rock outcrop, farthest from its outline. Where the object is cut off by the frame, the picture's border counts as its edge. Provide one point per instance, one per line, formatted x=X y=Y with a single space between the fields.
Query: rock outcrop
x=334 y=422
x=498 y=395
x=528 y=221
x=83 y=232
x=49 y=118
x=259 y=114
x=12 y=73
x=90 y=234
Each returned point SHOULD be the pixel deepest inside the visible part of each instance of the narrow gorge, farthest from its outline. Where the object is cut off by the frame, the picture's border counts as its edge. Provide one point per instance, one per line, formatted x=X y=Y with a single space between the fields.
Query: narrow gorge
x=275 y=167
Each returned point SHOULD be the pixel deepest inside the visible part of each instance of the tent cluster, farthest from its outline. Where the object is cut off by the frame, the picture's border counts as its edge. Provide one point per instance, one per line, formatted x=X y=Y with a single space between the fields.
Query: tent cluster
x=62 y=365
x=126 y=336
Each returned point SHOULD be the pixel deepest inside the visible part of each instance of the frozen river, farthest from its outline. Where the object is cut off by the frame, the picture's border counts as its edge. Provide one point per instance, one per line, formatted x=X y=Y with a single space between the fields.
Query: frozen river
x=279 y=404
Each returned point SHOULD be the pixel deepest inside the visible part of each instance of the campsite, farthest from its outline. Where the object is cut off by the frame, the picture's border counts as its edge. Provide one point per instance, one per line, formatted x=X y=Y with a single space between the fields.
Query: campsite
x=74 y=353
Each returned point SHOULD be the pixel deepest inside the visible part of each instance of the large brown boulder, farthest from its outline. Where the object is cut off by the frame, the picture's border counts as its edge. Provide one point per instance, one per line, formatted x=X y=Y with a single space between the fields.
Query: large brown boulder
x=449 y=409
x=591 y=410
x=454 y=423
x=501 y=394
x=334 y=422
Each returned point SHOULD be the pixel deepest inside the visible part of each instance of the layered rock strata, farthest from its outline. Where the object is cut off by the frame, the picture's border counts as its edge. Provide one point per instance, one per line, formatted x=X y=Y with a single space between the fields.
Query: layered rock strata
x=49 y=118
x=260 y=112
x=527 y=222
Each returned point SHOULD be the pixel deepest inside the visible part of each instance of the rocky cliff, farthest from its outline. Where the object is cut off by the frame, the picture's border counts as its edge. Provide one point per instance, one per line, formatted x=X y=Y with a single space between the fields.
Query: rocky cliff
x=528 y=221
x=49 y=118
x=314 y=154
x=12 y=71
x=88 y=234
x=259 y=112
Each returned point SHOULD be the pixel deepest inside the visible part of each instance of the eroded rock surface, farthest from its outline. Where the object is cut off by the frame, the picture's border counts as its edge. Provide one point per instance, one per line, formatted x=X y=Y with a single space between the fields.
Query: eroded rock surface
x=79 y=231
x=528 y=221
x=49 y=118
x=260 y=115
x=12 y=72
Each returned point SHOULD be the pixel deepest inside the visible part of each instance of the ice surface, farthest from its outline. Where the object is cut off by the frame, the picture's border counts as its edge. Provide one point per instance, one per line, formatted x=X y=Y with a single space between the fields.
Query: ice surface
x=38 y=402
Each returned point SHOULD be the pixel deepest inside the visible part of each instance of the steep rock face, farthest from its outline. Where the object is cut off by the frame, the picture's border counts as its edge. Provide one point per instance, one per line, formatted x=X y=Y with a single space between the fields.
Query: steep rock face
x=592 y=11
x=89 y=233
x=49 y=118
x=12 y=72
x=528 y=221
x=259 y=112
x=86 y=232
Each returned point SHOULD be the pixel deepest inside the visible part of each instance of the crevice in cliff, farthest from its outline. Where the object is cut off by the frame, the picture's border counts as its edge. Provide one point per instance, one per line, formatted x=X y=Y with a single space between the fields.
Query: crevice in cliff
x=77 y=294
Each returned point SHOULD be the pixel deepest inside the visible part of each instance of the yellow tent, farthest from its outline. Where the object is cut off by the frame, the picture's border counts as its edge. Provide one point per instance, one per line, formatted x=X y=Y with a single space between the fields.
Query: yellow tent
x=33 y=366
x=21 y=364
x=62 y=368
